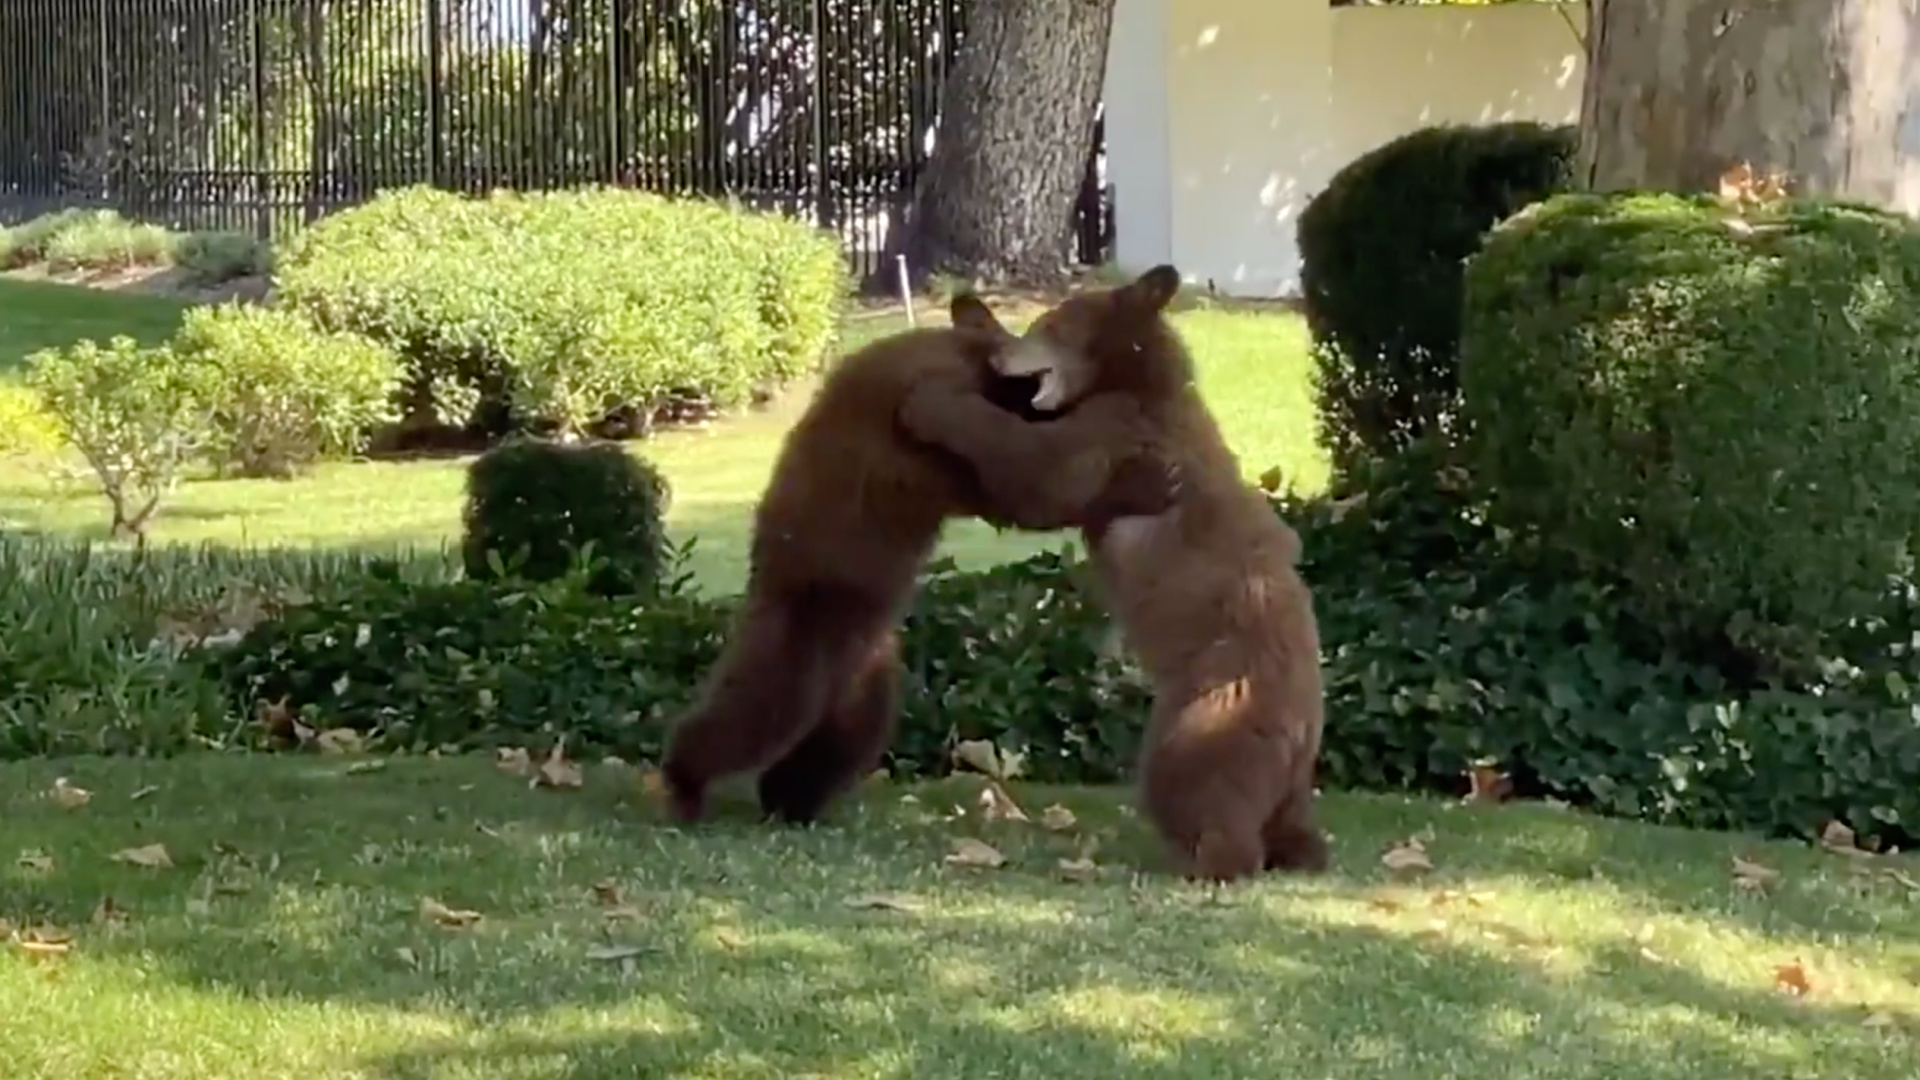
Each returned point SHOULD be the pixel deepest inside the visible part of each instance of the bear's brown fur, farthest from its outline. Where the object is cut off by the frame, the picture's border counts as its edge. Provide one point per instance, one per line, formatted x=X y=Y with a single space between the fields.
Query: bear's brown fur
x=1207 y=594
x=807 y=685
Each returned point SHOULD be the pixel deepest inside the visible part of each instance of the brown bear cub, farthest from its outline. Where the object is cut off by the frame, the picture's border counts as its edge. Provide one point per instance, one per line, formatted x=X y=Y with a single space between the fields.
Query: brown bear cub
x=806 y=688
x=1207 y=593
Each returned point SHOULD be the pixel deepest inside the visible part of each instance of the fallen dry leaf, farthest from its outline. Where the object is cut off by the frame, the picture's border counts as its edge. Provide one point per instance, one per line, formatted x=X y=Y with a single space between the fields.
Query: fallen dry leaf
x=997 y=805
x=1057 y=818
x=151 y=856
x=1471 y=897
x=44 y=941
x=1271 y=479
x=1879 y=1020
x=1792 y=978
x=1486 y=783
x=1407 y=855
x=441 y=915
x=1386 y=903
x=883 y=902
x=513 y=760
x=67 y=795
x=365 y=766
x=37 y=862
x=980 y=755
x=339 y=740
x=1839 y=839
x=974 y=853
x=1748 y=874
x=1079 y=869
x=406 y=956
x=557 y=772
x=1902 y=879
x=607 y=893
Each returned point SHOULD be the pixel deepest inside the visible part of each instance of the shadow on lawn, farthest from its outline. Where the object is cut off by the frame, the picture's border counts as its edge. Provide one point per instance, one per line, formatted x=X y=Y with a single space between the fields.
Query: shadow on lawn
x=750 y=960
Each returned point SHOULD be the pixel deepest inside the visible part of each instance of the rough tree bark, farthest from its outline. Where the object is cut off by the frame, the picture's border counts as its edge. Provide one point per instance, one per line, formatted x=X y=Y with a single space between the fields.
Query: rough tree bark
x=1678 y=91
x=995 y=201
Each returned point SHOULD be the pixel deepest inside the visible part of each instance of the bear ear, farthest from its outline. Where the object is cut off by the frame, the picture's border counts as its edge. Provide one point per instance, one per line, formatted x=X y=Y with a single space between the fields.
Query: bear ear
x=970 y=312
x=1155 y=289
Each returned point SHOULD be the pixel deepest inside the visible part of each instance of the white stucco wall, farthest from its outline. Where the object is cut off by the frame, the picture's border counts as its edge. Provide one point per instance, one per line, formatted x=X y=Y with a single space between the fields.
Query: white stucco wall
x=1225 y=116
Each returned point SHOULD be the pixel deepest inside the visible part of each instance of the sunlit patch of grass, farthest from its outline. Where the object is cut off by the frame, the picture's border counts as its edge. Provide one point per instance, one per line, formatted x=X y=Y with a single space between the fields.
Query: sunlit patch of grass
x=288 y=939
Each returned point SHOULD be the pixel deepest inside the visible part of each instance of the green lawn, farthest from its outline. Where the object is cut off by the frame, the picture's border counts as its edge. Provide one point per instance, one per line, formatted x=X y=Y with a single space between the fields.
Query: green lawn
x=1254 y=369
x=287 y=940
x=39 y=314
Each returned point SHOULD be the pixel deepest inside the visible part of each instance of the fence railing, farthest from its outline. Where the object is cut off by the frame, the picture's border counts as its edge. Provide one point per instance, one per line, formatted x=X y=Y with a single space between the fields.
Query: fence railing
x=261 y=115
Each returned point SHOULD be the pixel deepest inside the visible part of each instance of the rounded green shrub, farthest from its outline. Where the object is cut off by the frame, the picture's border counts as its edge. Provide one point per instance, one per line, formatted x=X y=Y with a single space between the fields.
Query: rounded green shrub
x=212 y=257
x=554 y=311
x=1381 y=249
x=1722 y=412
x=287 y=394
x=535 y=506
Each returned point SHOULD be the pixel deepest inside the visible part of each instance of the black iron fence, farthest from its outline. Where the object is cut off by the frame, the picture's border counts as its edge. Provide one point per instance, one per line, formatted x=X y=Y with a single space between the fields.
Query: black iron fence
x=263 y=114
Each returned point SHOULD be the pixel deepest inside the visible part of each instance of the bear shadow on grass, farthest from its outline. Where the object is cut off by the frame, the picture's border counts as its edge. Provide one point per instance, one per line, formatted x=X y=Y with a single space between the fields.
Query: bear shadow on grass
x=990 y=993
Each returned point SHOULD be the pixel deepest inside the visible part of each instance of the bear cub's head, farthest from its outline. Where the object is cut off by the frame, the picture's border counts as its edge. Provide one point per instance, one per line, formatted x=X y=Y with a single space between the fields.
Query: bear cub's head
x=1114 y=339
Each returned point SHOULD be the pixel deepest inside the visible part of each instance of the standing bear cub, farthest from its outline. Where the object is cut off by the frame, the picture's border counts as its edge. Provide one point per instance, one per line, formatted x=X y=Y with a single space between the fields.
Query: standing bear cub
x=806 y=688
x=1207 y=593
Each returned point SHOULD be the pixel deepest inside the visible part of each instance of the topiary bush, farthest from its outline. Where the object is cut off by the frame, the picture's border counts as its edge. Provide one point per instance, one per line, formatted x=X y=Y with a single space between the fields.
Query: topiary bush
x=535 y=506
x=1720 y=411
x=286 y=394
x=1381 y=250
x=554 y=311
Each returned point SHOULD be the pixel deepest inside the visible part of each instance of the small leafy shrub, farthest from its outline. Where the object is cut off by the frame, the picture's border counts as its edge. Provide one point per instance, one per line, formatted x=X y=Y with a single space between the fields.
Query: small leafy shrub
x=1382 y=247
x=1722 y=412
x=28 y=241
x=557 y=310
x=103 y=240
x=534 y=507
x=285 y=394
x=212 y=257
x=25 y=425
x=137 y=416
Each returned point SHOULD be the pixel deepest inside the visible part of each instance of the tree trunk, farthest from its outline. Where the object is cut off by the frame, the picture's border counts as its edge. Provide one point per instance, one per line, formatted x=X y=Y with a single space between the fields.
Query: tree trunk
x=1678 y=91
x=995 y=202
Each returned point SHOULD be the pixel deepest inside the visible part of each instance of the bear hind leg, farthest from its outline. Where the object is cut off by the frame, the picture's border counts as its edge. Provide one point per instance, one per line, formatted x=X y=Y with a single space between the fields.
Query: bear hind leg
x=770 y=688
x=1292 y=840
x=844 y=747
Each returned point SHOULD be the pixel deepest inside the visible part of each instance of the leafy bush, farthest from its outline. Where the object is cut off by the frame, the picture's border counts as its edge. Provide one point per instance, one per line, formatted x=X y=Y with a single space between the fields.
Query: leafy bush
x=1381 y=249
x=1722 y=413
x=285 y=394
x=103 y=240
x=25 y=425
x=210 y=258
x=534 y=507
x=27 y=242
x=1473 y=660
x=137 y=415
x=559 y=309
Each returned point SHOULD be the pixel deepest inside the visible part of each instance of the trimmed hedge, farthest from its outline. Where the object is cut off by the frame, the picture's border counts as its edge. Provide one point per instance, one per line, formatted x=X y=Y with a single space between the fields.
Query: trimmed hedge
x=557 y=310
x=1428 y=673
x=1381 y=250
x=536 y=507
x=1721 y=411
